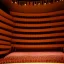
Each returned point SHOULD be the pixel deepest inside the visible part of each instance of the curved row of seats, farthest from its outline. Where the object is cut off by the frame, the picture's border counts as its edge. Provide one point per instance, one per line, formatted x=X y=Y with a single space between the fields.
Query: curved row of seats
x=38 y=31
x=5 y=33
x=23 y=57
x=39 y=15
x=25 y=33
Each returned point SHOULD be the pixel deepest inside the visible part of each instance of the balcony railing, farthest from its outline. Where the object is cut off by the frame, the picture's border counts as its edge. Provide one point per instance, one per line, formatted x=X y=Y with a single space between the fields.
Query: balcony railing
x=35 y=2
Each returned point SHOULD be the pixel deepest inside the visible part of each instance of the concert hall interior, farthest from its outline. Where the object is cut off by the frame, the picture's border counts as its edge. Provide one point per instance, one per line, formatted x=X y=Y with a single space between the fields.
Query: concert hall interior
x=31 y=31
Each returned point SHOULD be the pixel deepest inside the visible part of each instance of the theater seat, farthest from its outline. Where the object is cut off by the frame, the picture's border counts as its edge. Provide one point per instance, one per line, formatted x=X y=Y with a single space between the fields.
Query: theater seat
x=38 y=31
x=25 y=57
x=5 y=36
x=30 y=37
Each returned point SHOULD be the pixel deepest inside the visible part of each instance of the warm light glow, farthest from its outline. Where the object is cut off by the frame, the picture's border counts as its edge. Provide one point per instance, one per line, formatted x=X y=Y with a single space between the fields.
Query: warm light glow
x=62 y=0
x=12 y=2
x=25 y=4
x=34 y=63
x=44 y=3
x=15 y=2
x=57 y=1
x=34 y=4
x=49 y=3
x=38 y=3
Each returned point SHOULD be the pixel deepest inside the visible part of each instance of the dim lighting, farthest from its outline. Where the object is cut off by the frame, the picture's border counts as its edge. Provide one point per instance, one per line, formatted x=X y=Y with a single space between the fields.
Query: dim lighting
x=12 y=2
x=25 y=4
x=44 y=3
x=38 y=3
x=15 y=2
x=49 y=3
x=62 y=0
x=57 y=1
x=35 y=4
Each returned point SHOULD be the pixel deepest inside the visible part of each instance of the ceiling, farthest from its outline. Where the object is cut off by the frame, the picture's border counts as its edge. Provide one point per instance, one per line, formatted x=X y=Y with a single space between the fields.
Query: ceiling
x=30 y=8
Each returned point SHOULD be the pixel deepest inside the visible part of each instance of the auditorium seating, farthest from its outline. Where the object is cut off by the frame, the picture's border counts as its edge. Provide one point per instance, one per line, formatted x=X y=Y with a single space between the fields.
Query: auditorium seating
x=35 y=36
x=44 y=31
x=5 y=33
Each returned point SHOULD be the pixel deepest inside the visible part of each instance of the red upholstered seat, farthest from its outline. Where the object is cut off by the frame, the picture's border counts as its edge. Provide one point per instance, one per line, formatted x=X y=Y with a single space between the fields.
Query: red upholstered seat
x=34 y=57
x=29 y=35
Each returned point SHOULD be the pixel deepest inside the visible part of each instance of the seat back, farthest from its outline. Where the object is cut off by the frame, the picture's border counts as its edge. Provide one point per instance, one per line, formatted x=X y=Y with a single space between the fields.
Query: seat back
x=38 y=32
x=6 y=28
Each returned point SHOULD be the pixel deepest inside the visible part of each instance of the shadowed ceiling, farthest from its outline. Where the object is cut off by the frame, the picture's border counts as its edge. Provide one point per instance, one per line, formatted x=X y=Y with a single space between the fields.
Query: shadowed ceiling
x=33 y=6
